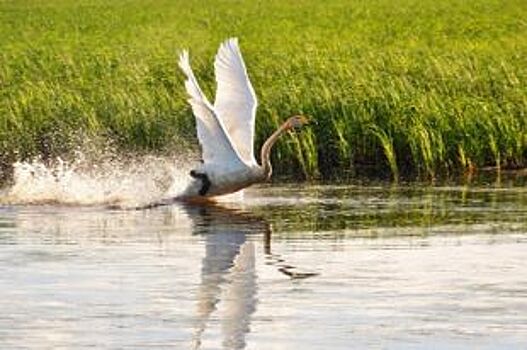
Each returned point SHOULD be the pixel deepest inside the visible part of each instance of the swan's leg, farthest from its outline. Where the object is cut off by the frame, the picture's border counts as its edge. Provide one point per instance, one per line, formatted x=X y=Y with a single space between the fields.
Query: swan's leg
x=204 y=180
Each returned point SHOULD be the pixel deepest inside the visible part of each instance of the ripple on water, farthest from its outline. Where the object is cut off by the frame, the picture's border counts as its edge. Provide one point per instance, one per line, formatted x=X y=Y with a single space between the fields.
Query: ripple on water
x=323 y=267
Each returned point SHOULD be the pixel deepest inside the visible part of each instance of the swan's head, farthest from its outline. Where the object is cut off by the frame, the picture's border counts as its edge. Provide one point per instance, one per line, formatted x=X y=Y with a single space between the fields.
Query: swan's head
x=297 y=122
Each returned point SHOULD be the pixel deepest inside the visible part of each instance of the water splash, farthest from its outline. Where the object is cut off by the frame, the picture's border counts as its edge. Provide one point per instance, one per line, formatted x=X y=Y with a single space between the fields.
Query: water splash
x=120 y=182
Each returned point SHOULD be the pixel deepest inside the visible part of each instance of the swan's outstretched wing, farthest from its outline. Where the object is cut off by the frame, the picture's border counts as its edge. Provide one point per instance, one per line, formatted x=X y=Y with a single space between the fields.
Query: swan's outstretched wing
x=235 y=99
x=216 y=145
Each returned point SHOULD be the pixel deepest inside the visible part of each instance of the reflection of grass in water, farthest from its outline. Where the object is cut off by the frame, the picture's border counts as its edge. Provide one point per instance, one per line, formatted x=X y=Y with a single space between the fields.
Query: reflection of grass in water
x=403 y=211
x=406 y=87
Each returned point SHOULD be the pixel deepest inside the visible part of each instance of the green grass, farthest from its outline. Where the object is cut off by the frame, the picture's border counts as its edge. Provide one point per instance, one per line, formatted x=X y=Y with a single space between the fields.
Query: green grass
x=398 y=87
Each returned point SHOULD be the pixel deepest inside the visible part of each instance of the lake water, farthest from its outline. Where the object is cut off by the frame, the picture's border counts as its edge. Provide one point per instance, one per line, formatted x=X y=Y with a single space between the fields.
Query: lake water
x=284 y=267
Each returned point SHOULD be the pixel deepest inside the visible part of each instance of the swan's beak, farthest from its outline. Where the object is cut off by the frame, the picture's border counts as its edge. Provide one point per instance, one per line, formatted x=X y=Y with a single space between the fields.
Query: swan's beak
x=302 y=121
x=305 y=120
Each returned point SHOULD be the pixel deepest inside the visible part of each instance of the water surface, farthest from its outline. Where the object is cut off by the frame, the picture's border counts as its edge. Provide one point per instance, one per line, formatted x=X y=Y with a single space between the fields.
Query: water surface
x=322 y=267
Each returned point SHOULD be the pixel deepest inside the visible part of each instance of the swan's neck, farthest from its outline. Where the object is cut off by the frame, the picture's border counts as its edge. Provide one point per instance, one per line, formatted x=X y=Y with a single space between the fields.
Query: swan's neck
x=265 y=154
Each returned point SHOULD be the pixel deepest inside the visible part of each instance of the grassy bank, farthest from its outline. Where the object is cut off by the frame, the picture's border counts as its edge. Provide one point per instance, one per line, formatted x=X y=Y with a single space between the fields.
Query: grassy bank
x=404 y=87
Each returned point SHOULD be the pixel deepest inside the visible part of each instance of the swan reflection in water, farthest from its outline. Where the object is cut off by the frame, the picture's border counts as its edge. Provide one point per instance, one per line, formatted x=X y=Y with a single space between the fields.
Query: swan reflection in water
x=228 y=273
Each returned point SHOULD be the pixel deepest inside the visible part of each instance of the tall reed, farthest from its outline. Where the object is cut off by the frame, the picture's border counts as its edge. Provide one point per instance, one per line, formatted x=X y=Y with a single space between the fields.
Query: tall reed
x=398 y=88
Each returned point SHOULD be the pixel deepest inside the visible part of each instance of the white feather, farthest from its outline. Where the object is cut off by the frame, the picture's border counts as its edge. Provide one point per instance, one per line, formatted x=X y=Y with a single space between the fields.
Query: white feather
x=218 y=150
x=235 y=99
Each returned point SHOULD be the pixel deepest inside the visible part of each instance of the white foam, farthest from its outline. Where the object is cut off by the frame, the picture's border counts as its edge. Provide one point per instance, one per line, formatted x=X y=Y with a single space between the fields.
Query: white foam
x=126 y=182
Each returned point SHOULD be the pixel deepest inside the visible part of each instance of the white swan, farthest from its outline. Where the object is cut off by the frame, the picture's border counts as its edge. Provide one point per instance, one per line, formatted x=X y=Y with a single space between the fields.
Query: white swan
x=226 y=129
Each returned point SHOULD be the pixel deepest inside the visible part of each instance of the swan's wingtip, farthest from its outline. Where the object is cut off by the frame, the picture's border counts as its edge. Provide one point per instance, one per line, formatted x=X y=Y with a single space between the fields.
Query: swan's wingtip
x=231 y=42
x=184 y=62
x=183 y=55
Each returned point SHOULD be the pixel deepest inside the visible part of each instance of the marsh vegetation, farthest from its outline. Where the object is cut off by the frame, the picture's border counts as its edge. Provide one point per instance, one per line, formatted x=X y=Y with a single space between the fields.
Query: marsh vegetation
x=398 y=88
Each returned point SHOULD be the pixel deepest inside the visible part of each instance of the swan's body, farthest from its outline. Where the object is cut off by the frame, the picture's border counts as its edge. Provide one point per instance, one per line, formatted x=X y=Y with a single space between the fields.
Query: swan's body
x=226 y=129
